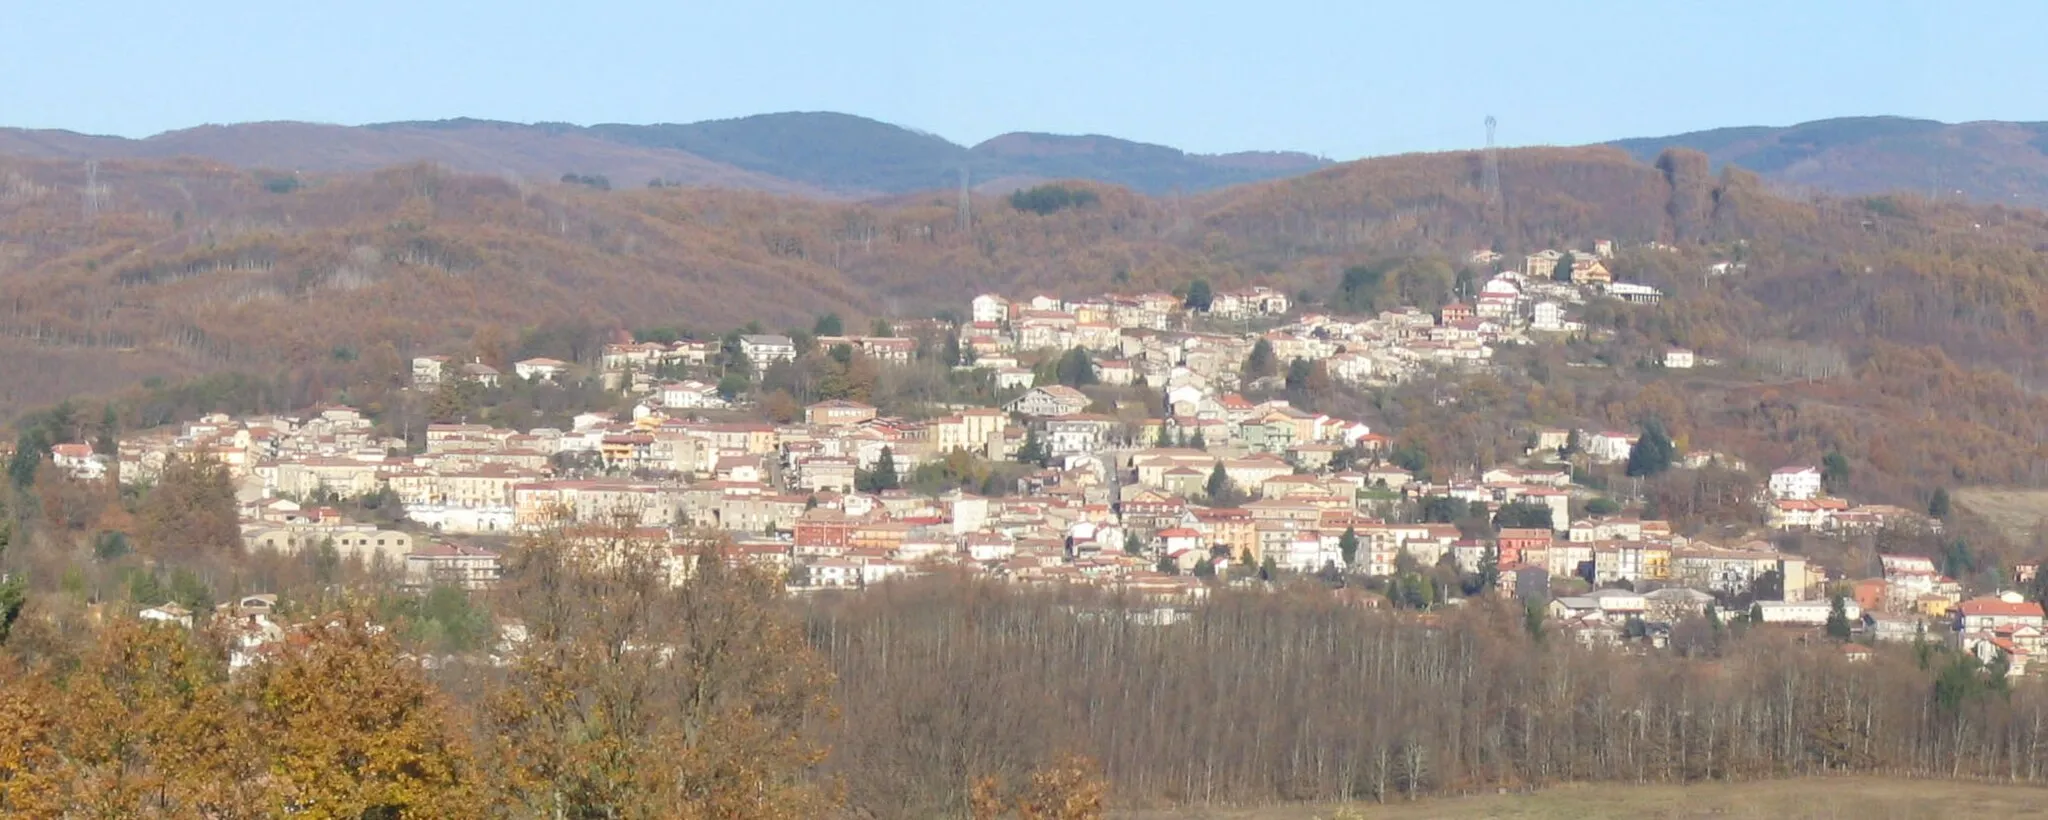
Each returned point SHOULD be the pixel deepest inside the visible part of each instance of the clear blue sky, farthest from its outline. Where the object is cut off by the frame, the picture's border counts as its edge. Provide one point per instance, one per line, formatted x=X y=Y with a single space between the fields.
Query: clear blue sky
x=1340 y=78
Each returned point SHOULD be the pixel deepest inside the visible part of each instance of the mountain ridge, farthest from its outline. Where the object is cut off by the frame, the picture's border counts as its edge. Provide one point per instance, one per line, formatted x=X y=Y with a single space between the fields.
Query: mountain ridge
x=817 y=154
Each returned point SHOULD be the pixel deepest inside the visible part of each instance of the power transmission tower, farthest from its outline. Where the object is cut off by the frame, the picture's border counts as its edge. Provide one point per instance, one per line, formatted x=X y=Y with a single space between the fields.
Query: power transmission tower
x=1490 y=179
x=95 y=194
x=966 y=215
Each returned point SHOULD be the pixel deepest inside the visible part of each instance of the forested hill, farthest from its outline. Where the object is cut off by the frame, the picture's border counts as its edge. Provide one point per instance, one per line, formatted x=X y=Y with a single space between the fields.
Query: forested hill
x=1989 y=162
x=188 y=267
x=817 y=154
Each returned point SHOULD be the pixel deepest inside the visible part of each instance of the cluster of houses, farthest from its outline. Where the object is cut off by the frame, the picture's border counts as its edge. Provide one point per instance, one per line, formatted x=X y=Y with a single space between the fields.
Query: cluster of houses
x=1113 y=496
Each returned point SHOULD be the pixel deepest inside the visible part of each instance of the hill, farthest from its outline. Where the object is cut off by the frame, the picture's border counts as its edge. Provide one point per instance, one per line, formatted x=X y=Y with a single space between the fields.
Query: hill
x=819 y=154
x=1991 y=162
x=1859 y=320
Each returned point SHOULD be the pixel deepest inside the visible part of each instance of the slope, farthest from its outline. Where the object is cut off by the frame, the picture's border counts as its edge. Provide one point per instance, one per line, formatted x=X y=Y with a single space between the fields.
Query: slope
x=1992 y=162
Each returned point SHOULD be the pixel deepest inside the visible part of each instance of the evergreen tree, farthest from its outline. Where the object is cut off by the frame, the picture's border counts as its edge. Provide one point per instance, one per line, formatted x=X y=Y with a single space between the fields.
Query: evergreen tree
x=1219 y=482
x=1652 y=453
x=829 y=325
x=110 y=426
x=1756 y=613
x=1199 y=442
x=1489 y=569
x=1347 y=546
x=1563 y=271
x=1298 y=372
x=1075 y=369
x=1939 y=505
x=1199 y=295
x=1261 y=363
x=1132 y=546
x=1834 y=471
x=883 y=477
x=1033 y=451
x=1165 y=436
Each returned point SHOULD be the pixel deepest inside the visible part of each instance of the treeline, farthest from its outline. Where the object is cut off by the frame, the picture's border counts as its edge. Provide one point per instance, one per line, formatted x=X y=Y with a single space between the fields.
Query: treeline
x=605 y=690
x=1259 y=698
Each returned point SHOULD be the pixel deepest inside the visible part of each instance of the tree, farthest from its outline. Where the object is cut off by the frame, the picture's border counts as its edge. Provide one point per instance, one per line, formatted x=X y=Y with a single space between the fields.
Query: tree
x=355 y=732
x=1347 y=546
x=1297 y=374
x=1489 y=568
x=632 y=693
x=1652 y=454
x=1838 y=619
x=1198 y=441
x=733 y=385
x=1075 y=369
x=1261 y=363
x=1563 y=271
x=882 y=328
x=1199 y=297
x=1359 y=289
x=882 y=477
x=190 y=513
x=1939 y=505
x=1070 y=788
x=1033 y=450
x=1221 y=490
x=1523 y=515
x=104 y=442
x=828 y=325
x=1834 y=471
x=1602 y=506
x=1133 y=546
x=1756 y=613
x=1442 y=509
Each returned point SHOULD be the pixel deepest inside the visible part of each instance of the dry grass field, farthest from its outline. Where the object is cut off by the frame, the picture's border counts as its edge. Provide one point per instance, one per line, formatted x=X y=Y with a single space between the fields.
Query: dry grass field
x=2017 y=513
x=1849 y=798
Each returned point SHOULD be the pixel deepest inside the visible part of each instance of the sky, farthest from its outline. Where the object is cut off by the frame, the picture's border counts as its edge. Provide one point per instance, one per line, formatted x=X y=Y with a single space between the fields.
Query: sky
x=1343 y=79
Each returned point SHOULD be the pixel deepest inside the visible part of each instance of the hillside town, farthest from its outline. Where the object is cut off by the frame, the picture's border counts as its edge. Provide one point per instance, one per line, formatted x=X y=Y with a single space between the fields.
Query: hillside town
x=1051 y=483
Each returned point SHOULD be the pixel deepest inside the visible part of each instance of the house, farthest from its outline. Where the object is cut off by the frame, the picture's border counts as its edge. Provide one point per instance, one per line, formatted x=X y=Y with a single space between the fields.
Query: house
x=1798 y=482
x=78 y=460
x=1050 y=400
x=838 y=413
x=481 y=373
x=1635 y=294
x=989 y=307
x=1678 y=358
x=428 y=371
x=1590 y=271
x=453 y=564
x=169 y=613
x=765 y=349
x=1608 y=447
x=1547 y=316
x=2003 y=613
x=1014 y=378
x=541 y=369
x=691 y=395
x=1456 y=312
x=1805 y=613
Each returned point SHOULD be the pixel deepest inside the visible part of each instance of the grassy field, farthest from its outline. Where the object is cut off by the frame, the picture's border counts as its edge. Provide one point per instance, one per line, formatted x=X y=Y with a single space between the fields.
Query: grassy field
x=2017 y=513
x=1849 y=798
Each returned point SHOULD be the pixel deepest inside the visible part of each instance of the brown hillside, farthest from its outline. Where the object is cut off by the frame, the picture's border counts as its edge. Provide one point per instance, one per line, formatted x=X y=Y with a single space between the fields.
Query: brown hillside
x=191 y=268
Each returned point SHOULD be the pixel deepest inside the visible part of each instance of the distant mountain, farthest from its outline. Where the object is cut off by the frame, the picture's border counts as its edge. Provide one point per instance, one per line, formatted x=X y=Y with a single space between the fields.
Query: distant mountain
x=1991 y=162
x=817 y=154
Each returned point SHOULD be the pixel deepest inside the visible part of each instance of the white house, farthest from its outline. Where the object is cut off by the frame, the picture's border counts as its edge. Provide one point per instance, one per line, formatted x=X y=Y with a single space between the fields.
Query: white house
x=1678 y=358
x=541 y=369
x=989 y=307
x=1547 y=316
x=1050 y=400
x=1011 y=378
x=1609 y=447
x=428 y=371
x=691 y=395
x=1798 y=482
x=764 y=350
x=1805 y=613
